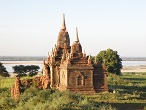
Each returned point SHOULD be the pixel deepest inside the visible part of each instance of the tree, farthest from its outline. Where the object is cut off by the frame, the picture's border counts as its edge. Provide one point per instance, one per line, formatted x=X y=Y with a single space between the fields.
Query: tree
x=22 y=70
x=19 y=69
x=32 y=69
x=111 y=60
x=3 y=71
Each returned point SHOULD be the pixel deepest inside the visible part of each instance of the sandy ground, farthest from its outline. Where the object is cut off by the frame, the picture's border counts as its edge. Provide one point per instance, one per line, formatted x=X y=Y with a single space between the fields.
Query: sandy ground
x=133 y=69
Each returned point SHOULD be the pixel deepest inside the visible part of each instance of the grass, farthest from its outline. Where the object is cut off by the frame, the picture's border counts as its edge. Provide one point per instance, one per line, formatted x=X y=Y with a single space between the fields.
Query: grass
x=130 y=93
x=6 y=82
x=136 y=78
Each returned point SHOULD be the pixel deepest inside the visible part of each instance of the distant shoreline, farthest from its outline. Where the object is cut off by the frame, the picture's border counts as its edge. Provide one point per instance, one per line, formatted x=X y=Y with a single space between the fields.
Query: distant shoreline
x=22 y=62
x=42 y=58
x=23 y=58
x=140 y=68
x=133 y=70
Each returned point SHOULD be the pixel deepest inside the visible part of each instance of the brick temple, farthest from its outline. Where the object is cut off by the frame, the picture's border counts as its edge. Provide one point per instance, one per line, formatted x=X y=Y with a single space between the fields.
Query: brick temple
x=69 y=68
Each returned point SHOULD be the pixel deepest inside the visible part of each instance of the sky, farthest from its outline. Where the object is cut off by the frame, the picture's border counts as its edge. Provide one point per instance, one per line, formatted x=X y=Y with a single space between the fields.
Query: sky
x=31 y=27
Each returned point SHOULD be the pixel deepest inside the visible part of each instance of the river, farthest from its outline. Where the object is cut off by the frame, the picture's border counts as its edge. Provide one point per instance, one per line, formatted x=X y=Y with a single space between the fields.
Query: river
x=10 y=64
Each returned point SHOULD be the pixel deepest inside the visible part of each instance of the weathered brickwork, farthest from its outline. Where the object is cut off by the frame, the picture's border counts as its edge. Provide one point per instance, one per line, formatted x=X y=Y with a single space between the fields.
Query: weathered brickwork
x=68 y=68
x=15 y=89
x=42 y=82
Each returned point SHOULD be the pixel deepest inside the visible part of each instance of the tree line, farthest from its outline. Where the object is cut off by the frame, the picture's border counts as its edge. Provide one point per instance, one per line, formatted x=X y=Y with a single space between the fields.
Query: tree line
x=110 y=58
x=21 y=70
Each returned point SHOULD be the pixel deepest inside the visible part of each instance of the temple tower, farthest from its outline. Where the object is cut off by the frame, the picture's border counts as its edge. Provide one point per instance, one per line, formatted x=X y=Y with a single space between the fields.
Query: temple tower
x=76 y=46
x=60 y=50
x=63 y=36
x=76 y=74
x=70 y=68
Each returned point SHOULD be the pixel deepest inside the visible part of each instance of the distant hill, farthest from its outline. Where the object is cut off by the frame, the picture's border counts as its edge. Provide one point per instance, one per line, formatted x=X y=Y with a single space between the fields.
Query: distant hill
x=41 y=58
x=134 y=58
x=22 y=58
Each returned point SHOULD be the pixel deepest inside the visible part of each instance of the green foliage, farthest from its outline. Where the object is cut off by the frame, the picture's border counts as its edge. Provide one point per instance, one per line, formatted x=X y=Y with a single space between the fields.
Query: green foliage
x=113 y=79
x=106 y=107
x=3 y=71
x=111 y=60
x=7 y=103
x=6 y=82
x=35 y=99
x=32 y=69
x=53 y=100
x=4 y=92
x=22 y=70
x=27 y=95
x=130 y=89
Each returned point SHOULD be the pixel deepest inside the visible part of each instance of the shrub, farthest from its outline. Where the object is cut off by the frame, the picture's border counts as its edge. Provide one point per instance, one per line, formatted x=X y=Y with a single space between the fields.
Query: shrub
x=7 y=103
x=111 y=60
x=22 y=70
x=29 y=93
x=116 y=80
x=106 y=107
x=3 y=71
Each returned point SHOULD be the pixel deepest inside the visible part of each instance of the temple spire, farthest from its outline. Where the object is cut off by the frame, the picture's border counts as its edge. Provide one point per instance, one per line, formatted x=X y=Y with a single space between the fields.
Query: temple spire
x=44 y=62
x=95 y=60
x=89 y=59
x=77 y=38
x=63 y=23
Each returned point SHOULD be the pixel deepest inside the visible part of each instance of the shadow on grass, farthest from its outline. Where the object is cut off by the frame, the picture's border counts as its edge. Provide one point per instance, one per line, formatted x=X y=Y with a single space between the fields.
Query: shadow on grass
x=129 y=88
x=136 y=79
x=129 y=106
x=133 y=90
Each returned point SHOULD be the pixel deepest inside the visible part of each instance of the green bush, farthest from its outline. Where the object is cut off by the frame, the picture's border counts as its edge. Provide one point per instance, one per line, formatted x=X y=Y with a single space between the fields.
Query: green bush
x=22 y=70
x=53 y=100
x=111 y=60
x=6 y=82
x=35 y=99
x=5 y=92
x=3 y=71
x=106 y=107
x=29 y=93
x=7 y=103
x=116 y=80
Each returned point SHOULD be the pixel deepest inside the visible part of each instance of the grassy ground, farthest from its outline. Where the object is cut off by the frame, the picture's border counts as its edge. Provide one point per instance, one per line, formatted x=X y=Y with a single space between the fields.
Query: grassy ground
x=130 y=93
x=8 y=82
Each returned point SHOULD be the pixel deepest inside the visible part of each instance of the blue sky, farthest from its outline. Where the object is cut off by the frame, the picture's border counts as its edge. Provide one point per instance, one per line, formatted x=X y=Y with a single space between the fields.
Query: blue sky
x=30 y=27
